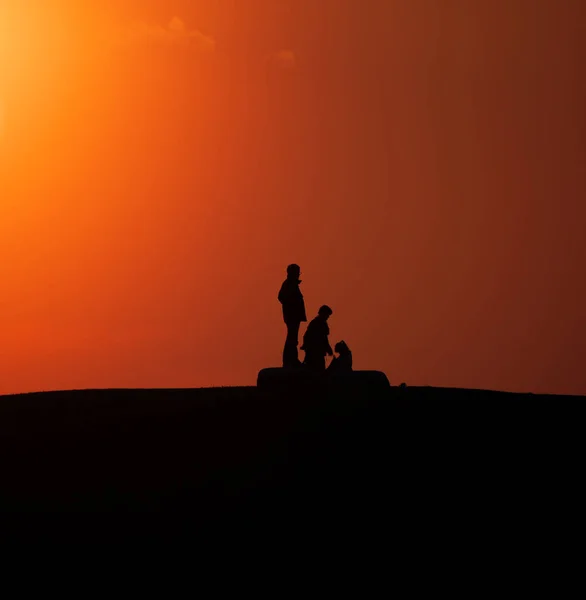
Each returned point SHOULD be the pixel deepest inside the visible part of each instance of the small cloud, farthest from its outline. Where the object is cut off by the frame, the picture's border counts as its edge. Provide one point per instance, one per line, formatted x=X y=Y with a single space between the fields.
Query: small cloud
x=283 y=59
x=175 y=33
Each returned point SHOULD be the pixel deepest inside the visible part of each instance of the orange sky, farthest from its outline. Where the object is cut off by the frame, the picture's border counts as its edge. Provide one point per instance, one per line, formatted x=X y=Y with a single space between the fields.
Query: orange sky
x=161 y=162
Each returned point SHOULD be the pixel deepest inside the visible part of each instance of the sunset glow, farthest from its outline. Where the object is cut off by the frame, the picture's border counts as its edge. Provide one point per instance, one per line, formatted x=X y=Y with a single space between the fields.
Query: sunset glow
x=1 y=119
x=162 y=162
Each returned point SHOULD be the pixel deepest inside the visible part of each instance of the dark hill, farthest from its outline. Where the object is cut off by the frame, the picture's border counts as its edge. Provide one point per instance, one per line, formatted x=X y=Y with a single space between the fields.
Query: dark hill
x=180 y=462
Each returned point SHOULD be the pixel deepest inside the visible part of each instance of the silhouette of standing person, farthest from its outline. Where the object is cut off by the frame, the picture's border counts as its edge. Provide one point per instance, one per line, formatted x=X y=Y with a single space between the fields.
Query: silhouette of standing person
x=291 y=298
x=315 y=340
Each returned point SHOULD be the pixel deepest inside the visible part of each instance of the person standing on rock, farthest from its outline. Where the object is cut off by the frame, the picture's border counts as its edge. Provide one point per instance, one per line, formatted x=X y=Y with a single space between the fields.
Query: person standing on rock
x=291 y=299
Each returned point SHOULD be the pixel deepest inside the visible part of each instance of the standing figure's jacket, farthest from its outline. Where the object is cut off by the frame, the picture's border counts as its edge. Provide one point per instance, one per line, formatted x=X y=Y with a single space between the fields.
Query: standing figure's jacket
x=291 y=298
x=315 y=340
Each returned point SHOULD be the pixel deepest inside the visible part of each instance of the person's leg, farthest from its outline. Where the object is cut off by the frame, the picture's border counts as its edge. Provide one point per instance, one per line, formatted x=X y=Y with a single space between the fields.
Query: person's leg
x=316 y=362
x=290 y=355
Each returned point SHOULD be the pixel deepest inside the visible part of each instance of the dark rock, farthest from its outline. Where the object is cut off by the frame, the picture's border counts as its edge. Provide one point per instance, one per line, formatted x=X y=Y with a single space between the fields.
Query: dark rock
x=296 y=378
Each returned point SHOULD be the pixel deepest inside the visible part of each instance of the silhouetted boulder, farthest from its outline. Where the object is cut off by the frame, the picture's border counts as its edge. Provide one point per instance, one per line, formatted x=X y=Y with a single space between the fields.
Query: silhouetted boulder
x=360 y=379
x=289 y=378
x=296 y=378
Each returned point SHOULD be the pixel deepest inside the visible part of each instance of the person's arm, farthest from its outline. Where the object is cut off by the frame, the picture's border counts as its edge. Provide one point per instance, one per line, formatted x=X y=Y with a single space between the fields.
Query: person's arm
x=329 y=350
x=283 y=293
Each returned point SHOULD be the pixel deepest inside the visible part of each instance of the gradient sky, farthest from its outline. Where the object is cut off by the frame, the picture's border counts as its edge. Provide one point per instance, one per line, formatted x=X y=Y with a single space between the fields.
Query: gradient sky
x=162 y=161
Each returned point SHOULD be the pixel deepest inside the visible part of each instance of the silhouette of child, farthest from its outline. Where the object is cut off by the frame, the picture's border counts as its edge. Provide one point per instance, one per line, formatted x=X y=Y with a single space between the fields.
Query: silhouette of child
x=291 y=298
x=342 y=363
x=315 y=340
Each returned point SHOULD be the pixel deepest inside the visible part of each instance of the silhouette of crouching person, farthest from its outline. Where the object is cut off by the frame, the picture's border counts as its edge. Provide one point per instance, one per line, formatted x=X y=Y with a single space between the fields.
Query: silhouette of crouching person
x=291 y=299
x=315 y=340
x=342 y=363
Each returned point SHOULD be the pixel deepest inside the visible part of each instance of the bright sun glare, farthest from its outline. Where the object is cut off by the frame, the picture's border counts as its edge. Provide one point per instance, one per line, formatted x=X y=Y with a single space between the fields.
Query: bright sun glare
x=33 y=44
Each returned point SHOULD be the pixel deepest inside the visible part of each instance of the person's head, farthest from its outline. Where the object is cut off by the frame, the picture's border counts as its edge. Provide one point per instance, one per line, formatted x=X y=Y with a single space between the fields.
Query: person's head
x=325 y=312
x=293 y=271
x=342 y=348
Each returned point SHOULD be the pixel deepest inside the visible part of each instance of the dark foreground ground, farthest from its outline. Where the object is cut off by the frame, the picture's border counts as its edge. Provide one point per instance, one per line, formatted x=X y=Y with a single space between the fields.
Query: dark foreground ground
x=402 y=466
